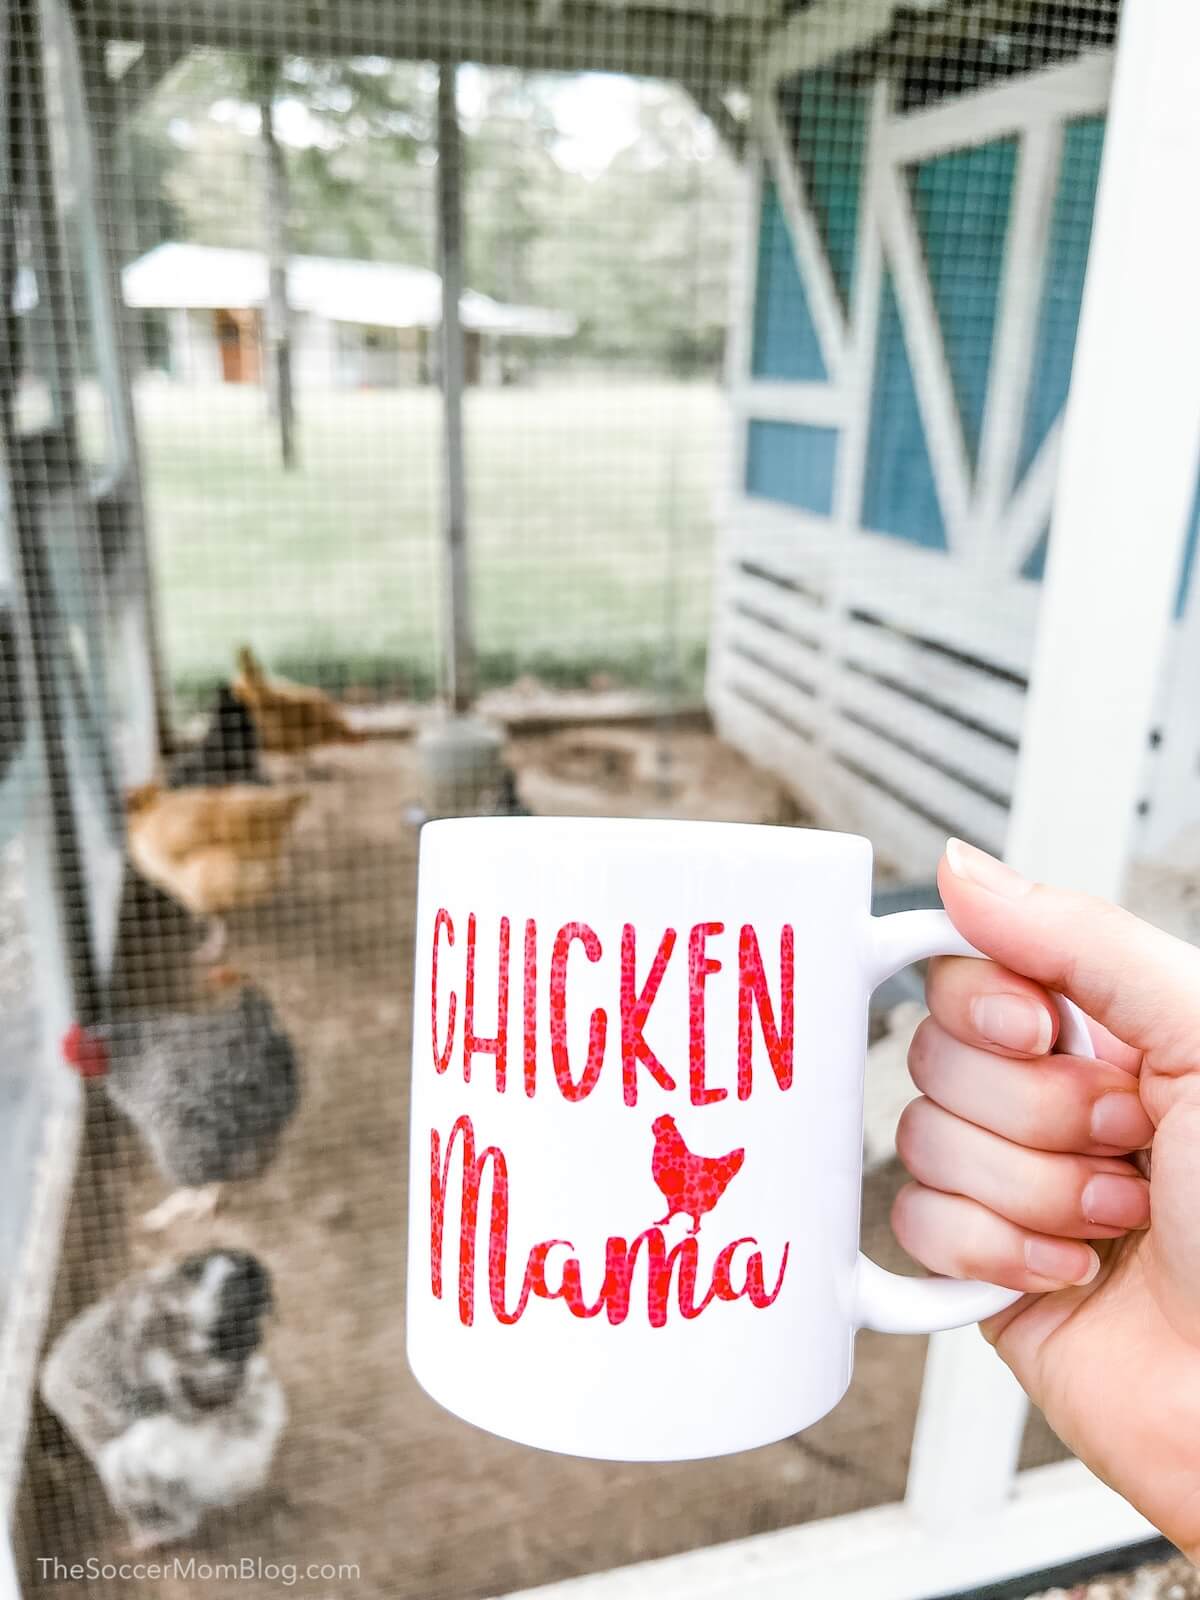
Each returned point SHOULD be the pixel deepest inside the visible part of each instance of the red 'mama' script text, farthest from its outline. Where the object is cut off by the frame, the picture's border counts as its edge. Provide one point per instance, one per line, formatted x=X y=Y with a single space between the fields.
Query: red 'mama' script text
x=736 y=1274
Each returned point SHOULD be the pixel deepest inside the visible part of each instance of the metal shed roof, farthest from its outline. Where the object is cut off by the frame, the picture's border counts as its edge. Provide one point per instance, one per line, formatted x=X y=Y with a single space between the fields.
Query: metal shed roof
x=371 y=293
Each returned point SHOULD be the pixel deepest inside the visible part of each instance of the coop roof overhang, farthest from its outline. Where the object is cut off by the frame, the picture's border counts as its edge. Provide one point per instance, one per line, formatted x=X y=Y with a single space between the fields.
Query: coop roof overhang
x=715 y=41
x=650 y=37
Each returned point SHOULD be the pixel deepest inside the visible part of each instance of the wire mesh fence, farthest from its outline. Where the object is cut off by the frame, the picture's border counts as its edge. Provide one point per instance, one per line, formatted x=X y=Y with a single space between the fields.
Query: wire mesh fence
x=765 y=327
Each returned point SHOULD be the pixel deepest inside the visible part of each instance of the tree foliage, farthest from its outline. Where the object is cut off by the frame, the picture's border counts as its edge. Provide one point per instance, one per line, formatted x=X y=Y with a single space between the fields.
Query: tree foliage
x=638 y=250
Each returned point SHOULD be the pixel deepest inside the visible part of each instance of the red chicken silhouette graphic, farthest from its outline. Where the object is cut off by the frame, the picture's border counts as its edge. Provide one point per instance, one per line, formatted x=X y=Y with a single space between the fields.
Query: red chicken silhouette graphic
x=691 y=1185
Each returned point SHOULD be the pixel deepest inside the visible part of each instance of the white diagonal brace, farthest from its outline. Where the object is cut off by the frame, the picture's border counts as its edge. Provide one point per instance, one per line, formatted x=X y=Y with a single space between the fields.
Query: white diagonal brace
x=812 y=262
x=1027 y=514
x=864 y=321
x=927 y=357
x=1016 y=330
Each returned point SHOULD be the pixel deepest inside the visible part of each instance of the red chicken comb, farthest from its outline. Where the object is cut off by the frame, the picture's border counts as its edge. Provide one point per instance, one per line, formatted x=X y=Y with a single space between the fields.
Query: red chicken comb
x=85 y=1052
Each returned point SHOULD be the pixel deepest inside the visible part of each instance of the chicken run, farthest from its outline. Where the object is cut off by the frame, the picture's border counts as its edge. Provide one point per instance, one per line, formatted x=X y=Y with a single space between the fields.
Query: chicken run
x=260 y=1197
x=633 y=588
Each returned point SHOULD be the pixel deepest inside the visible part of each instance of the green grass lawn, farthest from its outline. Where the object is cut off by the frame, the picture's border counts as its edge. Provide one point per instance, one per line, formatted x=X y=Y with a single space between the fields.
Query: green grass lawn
x=590 y=515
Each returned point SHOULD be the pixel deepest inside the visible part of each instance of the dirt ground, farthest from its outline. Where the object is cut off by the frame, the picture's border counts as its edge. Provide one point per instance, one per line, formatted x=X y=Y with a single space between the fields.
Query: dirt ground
x=372 y=1473
x=1176 y=1579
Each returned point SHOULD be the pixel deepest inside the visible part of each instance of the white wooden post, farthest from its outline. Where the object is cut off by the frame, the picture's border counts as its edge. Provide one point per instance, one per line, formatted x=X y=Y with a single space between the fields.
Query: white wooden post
x=1126 y=480
x=1127 y=472
x=9 y=1587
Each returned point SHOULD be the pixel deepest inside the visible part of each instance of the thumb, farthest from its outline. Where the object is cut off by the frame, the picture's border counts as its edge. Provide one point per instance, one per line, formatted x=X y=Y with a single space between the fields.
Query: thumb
x=1141 y=983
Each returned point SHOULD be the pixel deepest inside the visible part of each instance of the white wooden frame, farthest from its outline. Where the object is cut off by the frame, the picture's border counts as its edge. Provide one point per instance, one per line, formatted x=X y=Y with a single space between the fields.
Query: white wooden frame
x=1056 y=1515
x=969 y=1517
x=1034 y=110
x=991 y=521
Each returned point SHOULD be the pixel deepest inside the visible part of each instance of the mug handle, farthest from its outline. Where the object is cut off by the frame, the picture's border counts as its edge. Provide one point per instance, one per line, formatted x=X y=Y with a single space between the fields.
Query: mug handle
x=886 y=1301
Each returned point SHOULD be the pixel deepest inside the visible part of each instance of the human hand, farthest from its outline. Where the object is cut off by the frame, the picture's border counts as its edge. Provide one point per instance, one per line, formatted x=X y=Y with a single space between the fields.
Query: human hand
x=1021 y=1158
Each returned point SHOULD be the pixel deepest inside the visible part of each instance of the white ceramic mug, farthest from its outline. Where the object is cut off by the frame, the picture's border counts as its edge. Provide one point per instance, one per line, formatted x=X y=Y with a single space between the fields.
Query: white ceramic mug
x=637 y=1131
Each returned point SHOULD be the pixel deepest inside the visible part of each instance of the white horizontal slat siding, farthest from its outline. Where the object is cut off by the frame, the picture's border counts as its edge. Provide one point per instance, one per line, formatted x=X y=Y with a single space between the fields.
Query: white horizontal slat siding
x=774 y=746
x=993 y=702
x=788 y=609
x=945 y=802
x=900 y=835
x=793 y=707
x=796 y=666
x=980 y=760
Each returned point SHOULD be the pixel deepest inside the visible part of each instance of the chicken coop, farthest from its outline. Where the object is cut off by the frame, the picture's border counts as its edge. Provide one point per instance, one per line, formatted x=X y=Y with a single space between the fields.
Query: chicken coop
x=770 y=411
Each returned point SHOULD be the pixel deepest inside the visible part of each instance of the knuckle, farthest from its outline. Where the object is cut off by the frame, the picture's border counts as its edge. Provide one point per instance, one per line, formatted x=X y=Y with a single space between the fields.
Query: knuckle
x=921 y=1052
x=915 y=1224
x=1052 y=1198
x=1039 y=1117
x=945 y=981
x=905 y=1215
x=909 y=1134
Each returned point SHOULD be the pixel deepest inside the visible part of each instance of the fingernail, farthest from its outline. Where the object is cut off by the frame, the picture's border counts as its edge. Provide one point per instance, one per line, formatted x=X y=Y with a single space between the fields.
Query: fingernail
x=1116 y=1202
x=1061 y=1260
x=1013 y=1021
x=1118 y=1119
x=984 y=871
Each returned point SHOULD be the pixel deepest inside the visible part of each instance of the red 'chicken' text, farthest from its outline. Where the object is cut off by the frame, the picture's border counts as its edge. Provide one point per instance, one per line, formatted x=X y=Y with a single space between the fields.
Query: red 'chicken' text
x=639 y=984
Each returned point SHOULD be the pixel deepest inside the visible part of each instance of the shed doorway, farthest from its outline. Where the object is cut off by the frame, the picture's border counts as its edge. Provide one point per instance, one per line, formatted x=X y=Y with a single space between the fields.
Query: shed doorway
x=239 y=344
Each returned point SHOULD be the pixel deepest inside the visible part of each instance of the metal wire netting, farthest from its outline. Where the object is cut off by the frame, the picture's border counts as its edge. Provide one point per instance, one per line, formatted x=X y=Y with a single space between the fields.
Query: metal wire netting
x=766 y=321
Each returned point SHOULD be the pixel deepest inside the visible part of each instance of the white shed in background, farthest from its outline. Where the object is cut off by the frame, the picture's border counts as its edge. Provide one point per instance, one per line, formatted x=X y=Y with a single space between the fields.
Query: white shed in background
x=357 y=324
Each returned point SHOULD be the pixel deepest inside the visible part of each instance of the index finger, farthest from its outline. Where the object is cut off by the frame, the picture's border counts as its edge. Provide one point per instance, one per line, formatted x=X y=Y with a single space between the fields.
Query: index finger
x=986 y=1005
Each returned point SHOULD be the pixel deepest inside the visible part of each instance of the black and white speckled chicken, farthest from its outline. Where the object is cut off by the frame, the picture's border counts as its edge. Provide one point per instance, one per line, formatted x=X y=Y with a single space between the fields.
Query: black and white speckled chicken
x=209 y=1091
x=164 y=1387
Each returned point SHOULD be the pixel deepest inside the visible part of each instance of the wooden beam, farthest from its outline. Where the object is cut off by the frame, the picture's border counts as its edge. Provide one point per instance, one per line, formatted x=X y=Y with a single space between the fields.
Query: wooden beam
x=1057 y=1514
x=1053 y=95
x=133 y=88
x=732 y=131
x=927 y=356
x=650 y=43
x=458 y=665
x=812 y=261
x=1020 y=296
x=817 y=405
x=1127 y=475
x=1009 y=543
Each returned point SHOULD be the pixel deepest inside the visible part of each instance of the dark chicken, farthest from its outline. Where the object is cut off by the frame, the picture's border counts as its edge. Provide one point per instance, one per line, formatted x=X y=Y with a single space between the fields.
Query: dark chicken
x=228 y=752
x=210 y=1092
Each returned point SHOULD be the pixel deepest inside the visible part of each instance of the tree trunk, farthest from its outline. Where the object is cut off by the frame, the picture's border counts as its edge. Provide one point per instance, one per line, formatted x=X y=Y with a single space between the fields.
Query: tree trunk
x=277 y=323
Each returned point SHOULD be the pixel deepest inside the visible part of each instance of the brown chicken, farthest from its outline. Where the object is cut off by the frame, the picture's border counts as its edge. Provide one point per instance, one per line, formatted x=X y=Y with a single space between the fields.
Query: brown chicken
x=291 y=718
x=211 y=849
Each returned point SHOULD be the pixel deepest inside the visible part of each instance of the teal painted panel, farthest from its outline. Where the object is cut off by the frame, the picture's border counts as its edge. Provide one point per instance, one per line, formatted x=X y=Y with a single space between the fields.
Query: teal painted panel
x=962 y=202
x=1034 y=565
x=1062 y=293
x=826 y=124
x=899 y=497
x=1189 y=555
x=785 y=342
x=792 y=463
